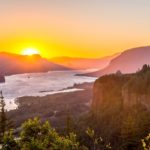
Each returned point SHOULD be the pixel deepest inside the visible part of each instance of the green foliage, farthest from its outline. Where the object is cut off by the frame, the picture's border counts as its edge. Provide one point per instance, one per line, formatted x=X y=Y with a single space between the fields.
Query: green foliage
x=146 y=143
x=90 y=133
x=9 y=142
x=41 y=136
x=5 y=123
x=97 y=142
x=66 y=143
x=38 y=136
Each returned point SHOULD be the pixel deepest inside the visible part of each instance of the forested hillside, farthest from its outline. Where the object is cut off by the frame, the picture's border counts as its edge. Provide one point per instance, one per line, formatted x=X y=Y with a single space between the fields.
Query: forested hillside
x=119 y=119
x=121 y=108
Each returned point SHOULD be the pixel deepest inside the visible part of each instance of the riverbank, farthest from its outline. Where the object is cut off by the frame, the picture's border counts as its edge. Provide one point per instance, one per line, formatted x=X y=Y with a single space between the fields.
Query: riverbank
x=39 y=84
x=55 y=107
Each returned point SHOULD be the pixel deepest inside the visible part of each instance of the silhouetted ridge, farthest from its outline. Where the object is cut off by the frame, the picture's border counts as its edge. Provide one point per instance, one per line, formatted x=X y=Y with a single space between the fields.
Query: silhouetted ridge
x=83 y=63
x=15 y=64
x=128 y=61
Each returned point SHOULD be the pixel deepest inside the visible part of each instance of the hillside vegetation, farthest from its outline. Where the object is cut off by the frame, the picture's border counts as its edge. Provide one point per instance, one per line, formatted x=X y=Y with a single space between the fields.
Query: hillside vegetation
x=119 y=119
x=121 y=108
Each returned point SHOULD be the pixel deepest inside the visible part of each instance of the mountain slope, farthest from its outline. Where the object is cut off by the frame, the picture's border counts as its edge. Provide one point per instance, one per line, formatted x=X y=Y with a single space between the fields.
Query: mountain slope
x=15 y=64
x=128 y=61
x=83 y=63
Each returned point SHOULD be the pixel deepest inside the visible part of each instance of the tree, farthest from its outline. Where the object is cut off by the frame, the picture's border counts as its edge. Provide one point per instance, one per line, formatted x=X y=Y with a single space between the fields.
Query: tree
x=97 y=142
x=145 y=68
x=3 y=119
x=69 y=123
x=118 y=73
x=9 y=142
x=41 y=136
x=38 y=136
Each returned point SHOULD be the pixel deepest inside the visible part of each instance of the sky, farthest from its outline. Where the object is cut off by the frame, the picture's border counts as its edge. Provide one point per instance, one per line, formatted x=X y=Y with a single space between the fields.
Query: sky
x=75 y=28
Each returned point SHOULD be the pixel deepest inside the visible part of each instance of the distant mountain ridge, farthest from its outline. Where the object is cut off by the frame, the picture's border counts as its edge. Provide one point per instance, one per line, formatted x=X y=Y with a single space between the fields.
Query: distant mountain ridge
x=128 y=61
x=15 y=64
x=83 y=63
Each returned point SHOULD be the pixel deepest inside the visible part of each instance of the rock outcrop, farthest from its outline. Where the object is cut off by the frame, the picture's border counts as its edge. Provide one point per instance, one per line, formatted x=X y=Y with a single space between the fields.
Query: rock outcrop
x=132 y=99
x=127 y=90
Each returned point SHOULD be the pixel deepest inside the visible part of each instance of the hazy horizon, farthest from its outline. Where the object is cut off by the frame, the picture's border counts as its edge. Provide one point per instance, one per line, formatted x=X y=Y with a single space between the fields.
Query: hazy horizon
x=74 y=28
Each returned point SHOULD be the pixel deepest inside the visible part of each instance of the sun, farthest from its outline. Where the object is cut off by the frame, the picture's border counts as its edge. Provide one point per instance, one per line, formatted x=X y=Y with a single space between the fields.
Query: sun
x=30 y=51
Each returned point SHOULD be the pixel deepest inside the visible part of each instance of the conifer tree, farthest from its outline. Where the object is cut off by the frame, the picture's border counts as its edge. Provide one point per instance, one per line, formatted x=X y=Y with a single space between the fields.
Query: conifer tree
x=3 y=119
x=69 y=122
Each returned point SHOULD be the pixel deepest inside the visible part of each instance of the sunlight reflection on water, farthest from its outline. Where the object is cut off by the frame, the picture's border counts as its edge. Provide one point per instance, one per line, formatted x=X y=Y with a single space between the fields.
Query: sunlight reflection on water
x=40 y=84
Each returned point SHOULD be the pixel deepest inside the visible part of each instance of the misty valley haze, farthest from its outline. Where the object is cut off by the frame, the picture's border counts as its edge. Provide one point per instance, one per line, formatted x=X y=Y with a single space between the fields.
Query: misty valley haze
x=129 y=61
x=40 y=84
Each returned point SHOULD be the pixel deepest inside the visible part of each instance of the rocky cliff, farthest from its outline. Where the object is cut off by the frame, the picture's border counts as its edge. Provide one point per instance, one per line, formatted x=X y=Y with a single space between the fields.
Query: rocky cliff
x=125 y=90
x=131 y=99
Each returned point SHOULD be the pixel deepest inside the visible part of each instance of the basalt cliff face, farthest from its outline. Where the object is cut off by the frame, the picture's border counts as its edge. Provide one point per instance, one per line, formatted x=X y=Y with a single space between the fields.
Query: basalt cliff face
x=132 y=99
x=127 y=90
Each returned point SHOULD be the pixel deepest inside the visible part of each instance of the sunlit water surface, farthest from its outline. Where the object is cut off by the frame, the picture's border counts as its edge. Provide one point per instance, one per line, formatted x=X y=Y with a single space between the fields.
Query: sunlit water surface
x=40 y=84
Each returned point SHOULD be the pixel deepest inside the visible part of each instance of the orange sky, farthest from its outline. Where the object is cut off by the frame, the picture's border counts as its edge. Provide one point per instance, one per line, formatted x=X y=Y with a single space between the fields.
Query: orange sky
x=73 y=27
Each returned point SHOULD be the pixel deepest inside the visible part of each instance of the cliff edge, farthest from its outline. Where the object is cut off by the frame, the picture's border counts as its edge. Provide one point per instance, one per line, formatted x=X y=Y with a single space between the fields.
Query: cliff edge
x=126 y=90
